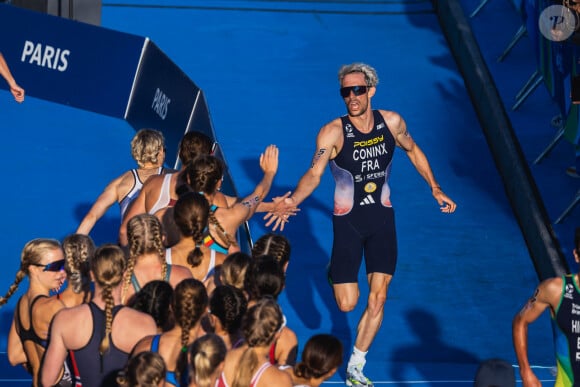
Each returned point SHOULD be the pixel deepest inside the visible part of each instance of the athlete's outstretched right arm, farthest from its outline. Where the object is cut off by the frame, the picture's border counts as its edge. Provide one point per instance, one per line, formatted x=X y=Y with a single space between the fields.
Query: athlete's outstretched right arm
x=327 y=142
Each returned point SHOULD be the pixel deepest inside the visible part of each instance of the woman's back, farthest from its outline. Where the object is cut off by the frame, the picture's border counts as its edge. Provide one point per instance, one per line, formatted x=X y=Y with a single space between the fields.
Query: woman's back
x=81 y=329
x=100 y=334
x=31 y=323
x=146 y=261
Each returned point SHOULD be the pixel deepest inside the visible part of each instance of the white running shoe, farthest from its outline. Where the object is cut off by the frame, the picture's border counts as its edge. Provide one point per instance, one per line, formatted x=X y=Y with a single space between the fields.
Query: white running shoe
x=355 y=377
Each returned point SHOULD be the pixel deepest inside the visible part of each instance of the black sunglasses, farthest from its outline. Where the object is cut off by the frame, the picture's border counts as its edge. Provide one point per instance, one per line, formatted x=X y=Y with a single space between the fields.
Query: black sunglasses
x=53 y=266
x=357 y=90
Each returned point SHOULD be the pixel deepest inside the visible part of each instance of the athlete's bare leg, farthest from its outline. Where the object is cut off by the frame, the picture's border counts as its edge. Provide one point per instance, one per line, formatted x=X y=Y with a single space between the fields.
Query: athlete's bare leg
x=347 y=295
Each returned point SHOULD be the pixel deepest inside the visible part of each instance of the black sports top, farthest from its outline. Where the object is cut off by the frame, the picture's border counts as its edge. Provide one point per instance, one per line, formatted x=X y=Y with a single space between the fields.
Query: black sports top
x=97 y=370
x=28 y=334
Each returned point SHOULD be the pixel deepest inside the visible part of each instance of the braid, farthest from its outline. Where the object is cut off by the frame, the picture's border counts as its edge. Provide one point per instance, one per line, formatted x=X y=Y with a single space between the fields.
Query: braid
x=191 y=214
x=189 y=303
x=204 y=173
x=78 y=250
x=145 y=235
x=229 y=241
x=261 y=323
x=19 y=277
x=107 y=267
x=109 y=304
x=157 y=241
x=128 y=273
x=273 y=244
x=195 y=256
x=229 y=305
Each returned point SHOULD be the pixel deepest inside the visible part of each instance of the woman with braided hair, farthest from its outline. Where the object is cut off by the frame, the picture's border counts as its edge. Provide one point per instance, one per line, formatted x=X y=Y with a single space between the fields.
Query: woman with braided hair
x=191 y=214
x=155 y=299
x=189 y=305
x=100 y=334
x=321 y=358
x=42 y=261
x=147 y=369
x=146 y=260
x=274 y=245
x=78 y=251
x=227 y=307
x=248 y=365
x=204 y=175
x=206 y=360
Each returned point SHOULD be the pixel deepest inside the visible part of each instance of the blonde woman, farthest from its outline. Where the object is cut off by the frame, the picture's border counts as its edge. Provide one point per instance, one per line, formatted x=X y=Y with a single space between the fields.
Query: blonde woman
x=42 y=261
x=147 y=369
x=248 y=365
x=148 y=150
x=233 y=271
x=100 y=334
x=78 y=251
x=189 y=305
x=147 y=257
x=206 y=360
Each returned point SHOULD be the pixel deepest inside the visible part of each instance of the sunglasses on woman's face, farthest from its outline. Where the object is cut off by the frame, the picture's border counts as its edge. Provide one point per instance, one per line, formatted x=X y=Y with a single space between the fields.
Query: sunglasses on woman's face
x=53 y=266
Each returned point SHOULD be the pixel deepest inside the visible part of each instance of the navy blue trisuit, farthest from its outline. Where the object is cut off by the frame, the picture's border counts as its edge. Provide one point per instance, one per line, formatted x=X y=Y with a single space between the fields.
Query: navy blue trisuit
x=363 y=219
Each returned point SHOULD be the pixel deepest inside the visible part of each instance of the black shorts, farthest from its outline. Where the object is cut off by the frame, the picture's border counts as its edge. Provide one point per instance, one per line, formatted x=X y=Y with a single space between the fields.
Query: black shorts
x=371 y=234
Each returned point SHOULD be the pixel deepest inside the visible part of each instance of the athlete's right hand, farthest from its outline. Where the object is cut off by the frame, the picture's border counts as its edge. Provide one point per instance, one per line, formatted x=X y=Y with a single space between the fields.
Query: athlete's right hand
x=284 y=208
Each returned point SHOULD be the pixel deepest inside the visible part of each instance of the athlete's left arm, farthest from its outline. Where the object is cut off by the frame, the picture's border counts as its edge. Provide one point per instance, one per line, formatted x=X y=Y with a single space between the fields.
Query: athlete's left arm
x=398 y=128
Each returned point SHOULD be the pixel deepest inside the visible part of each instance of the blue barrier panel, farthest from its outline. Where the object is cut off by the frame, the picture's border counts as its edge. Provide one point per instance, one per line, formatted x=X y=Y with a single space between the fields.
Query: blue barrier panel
x=163 y=97
x=69 y=62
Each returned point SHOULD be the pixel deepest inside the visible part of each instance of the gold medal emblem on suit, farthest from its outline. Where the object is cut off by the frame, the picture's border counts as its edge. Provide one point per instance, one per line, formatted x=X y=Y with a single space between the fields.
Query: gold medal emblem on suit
x=370 y=187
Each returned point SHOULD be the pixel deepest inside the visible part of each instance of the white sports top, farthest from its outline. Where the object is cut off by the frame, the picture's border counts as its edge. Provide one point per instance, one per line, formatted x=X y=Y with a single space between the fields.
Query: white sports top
x=134 y=192
x=164 y=199
x=210 y=268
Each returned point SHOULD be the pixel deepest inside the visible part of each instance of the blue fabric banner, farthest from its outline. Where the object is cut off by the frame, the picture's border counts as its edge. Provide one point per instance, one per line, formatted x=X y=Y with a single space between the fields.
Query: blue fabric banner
x=70 y=62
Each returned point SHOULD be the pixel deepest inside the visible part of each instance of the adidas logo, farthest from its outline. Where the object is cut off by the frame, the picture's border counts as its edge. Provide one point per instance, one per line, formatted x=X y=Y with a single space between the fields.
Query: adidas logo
x=367 y=200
